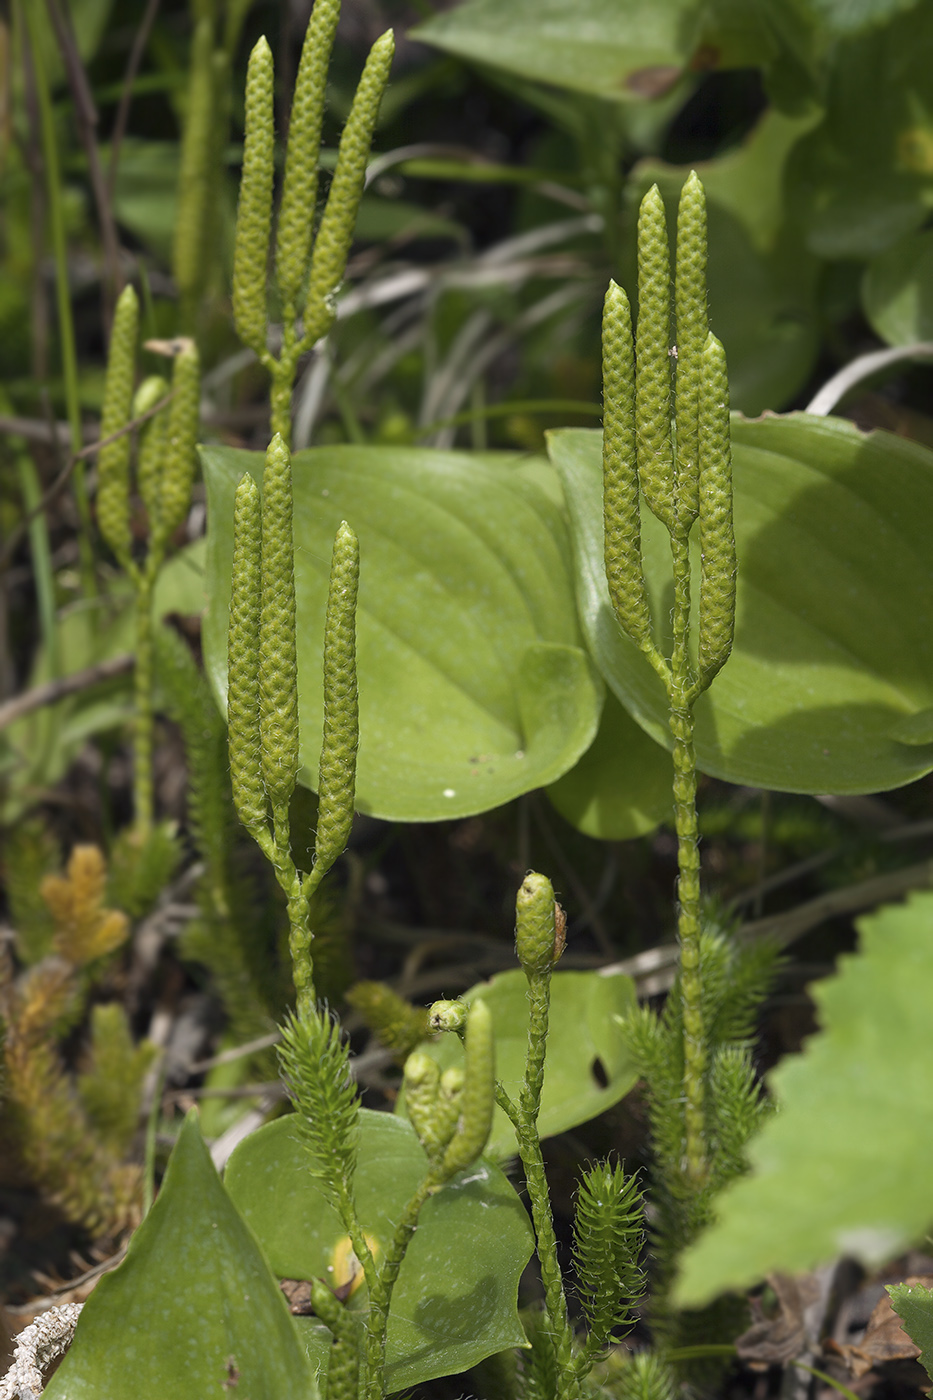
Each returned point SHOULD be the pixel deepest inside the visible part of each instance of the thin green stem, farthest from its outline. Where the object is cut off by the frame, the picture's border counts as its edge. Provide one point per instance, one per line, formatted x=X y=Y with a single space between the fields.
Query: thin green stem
x=380 y=1298
x=682 y=694
x=529 y=1147
x=63 y=296
x=143 y=795
x=41 y=552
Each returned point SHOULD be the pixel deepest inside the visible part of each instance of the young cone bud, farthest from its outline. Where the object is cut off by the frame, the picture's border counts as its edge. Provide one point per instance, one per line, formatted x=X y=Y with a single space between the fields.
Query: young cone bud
x=653 y=361
x=717 y=537
x=254 y=214
x=447 y=1108
x=113 y=461
x=332 y=244
x=448 y=1016
x=620 y=473
x=692 y=327
x=422 y=1081
x=535 y=926
x=337 y=771
x=278 y=683
x=243 y=657
x=478 y=1097
x=296 y=215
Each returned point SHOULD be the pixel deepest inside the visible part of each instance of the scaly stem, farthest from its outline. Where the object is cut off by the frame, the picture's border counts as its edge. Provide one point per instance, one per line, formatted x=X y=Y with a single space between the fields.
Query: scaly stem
x=524 y=1116
x=143 y=799
x=380 y=1297
x=682 y=694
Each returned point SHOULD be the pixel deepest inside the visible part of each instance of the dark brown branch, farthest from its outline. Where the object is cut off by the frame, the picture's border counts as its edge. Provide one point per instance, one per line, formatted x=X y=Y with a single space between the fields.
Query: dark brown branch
x=49 y=435
x=140 y=40
x=52 y=691
x=86 y=122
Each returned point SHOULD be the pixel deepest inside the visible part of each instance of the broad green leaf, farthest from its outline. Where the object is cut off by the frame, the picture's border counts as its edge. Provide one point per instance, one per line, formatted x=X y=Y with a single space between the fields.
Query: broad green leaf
x=474 y=686
x=192 y=1310
x=864 y=177
x=897 y=291
x=761 y=303
x=914 y=1306
x=852 y=16
x=843 y=1167
x=747 y=182
x=620 y=49
x=834 y=614
x=588 y=1067
x=621 y=787
x=455 y=1299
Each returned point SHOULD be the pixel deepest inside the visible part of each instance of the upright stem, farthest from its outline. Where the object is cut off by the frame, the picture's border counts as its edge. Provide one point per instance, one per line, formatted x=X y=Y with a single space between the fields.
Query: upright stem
x=143 y=798
x=682 y=694
x=63 y=296
x=380 y=1297
x=529 y=1147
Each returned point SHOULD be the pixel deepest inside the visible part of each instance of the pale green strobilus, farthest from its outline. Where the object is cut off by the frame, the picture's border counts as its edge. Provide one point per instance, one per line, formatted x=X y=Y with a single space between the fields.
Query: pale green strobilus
x=308 y=272
x=165 y=464
x=262 y=694
x=666 y=440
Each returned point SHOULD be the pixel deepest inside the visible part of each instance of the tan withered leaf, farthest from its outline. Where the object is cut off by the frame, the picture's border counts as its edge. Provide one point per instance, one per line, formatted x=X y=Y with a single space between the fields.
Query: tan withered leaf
x=772 y=1341
x=885 y=1338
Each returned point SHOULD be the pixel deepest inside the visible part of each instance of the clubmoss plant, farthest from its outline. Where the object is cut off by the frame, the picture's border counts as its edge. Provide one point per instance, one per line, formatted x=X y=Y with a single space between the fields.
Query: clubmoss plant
x=608 y=1230
x=165 y=467
x=666 y=438
x=308 y=272
x=262 y=705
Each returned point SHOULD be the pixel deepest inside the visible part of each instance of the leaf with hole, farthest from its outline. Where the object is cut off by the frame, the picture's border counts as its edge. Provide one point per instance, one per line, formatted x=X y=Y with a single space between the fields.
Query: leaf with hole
x=834 y=635
x=588 y=1067
x=455 y=1299
x=474 y=684
x=192 y=1310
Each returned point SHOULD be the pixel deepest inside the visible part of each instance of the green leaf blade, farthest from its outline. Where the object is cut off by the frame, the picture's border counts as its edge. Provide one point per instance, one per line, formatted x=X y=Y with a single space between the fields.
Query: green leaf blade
x=842 y=1168
x=193 y=1299
x=835 y=610
x=474 y=685
x=455 y=1299
x=588 y=1068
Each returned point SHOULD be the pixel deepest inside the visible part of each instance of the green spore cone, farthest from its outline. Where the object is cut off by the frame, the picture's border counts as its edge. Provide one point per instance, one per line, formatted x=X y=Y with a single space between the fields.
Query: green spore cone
x=717 y=536
x=653 y=361
x=153 y=439
x=332 y=245
x=243 y=657
x=690 y=335
x=181 y=453
x=479 y=1090
x=620 y=473
x=535 y=927
x=296 y=213
x=337 y=771
x=422 y=1083
x=113 y=461
x=254 y=213
x=278 y=690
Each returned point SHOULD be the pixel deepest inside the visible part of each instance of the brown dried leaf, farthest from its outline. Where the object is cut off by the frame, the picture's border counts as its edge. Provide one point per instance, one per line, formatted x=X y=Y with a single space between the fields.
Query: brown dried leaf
x=885 y=1338
x=776 y=1340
